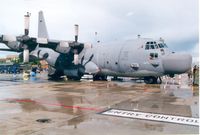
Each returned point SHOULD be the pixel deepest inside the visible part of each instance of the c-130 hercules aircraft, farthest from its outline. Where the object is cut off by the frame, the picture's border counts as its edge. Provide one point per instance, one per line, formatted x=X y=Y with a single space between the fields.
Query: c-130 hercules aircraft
x=144 y=58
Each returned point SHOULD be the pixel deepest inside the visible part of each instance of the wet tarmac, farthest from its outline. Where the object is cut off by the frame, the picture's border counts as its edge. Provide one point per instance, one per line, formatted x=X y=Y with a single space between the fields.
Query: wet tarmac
x=37 y=106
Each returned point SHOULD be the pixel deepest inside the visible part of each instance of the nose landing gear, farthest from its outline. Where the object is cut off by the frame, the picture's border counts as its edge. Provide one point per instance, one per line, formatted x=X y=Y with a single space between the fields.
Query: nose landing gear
x=151 y=80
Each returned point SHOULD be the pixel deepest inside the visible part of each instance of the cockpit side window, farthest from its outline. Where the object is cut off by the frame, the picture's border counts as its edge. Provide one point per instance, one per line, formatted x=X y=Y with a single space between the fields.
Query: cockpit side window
x=161 y=45
x=165 y=45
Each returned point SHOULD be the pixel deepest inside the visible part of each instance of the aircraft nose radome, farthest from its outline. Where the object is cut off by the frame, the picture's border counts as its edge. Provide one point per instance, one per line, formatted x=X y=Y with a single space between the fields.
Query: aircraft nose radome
x=177 y=63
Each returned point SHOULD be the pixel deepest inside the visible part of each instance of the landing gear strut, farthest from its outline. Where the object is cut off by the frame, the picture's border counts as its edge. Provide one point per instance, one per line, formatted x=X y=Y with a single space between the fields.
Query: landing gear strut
x=151 y=80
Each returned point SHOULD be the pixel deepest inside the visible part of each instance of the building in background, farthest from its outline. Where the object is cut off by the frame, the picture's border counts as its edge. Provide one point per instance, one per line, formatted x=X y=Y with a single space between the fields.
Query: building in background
x=14 y=58
x=2 y=60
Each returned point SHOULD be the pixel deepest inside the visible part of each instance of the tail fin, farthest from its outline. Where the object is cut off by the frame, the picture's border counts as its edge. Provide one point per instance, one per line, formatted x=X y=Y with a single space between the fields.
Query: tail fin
x=42 y=29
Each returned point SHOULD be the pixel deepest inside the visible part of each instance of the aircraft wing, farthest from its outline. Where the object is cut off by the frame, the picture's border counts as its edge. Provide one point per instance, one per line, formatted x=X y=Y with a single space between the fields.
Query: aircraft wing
x=10 y=50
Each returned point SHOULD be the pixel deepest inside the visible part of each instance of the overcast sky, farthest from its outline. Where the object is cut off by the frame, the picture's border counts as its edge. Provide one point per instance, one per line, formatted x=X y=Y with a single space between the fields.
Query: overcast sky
x=174 y=20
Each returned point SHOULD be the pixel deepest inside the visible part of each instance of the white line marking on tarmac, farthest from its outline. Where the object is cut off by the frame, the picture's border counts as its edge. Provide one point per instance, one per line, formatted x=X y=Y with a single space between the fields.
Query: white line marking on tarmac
x=153 y=117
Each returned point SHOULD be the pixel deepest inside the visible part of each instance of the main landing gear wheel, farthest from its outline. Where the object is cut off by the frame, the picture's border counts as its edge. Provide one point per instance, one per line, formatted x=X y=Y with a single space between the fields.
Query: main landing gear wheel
x=151 y=80
x=99 y=78
x=74 y=78
x=54 y=74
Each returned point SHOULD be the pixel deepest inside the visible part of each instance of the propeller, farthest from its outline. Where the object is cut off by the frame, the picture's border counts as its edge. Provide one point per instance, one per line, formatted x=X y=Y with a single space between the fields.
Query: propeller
x=20 y=43
x=28 y=44
x=25 y=37
x=78 y=46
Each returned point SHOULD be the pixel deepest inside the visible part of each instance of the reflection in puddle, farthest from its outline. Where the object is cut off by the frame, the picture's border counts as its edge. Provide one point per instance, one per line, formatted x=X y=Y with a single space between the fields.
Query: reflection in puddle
x=173 y=96
x=177 y=91
x=76 y=121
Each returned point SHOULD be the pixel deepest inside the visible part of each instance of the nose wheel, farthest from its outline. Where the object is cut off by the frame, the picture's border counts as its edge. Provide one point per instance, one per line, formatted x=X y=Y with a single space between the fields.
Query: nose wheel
x=151 y=80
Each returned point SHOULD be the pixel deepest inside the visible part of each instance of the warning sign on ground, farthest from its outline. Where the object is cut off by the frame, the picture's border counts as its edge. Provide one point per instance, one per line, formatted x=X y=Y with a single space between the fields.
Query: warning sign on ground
x=153 y=117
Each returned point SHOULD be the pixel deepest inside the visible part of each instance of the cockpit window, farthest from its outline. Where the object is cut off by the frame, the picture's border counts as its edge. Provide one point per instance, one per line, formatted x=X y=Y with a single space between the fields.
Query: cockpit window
x=154 y=45
x=161 y=45
x=151 y=45
x=147 y=47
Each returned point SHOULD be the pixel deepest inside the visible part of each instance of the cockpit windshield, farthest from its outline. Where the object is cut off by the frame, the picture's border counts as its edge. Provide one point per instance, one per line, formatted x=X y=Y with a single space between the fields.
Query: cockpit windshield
x=154 y=45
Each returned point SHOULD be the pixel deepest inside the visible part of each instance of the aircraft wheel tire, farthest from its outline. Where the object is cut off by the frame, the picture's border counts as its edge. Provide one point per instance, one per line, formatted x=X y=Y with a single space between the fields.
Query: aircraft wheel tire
x=54 y=77
x=151 y=80
x=99 y=78
x=54 y=74
x=73 y=78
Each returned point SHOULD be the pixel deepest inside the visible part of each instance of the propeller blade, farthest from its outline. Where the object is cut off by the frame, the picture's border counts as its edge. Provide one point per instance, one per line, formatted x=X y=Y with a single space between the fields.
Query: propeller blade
x=26 y=55
x=75 y=59
x=9 y=38
x=76 y=32
x=26 y=23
